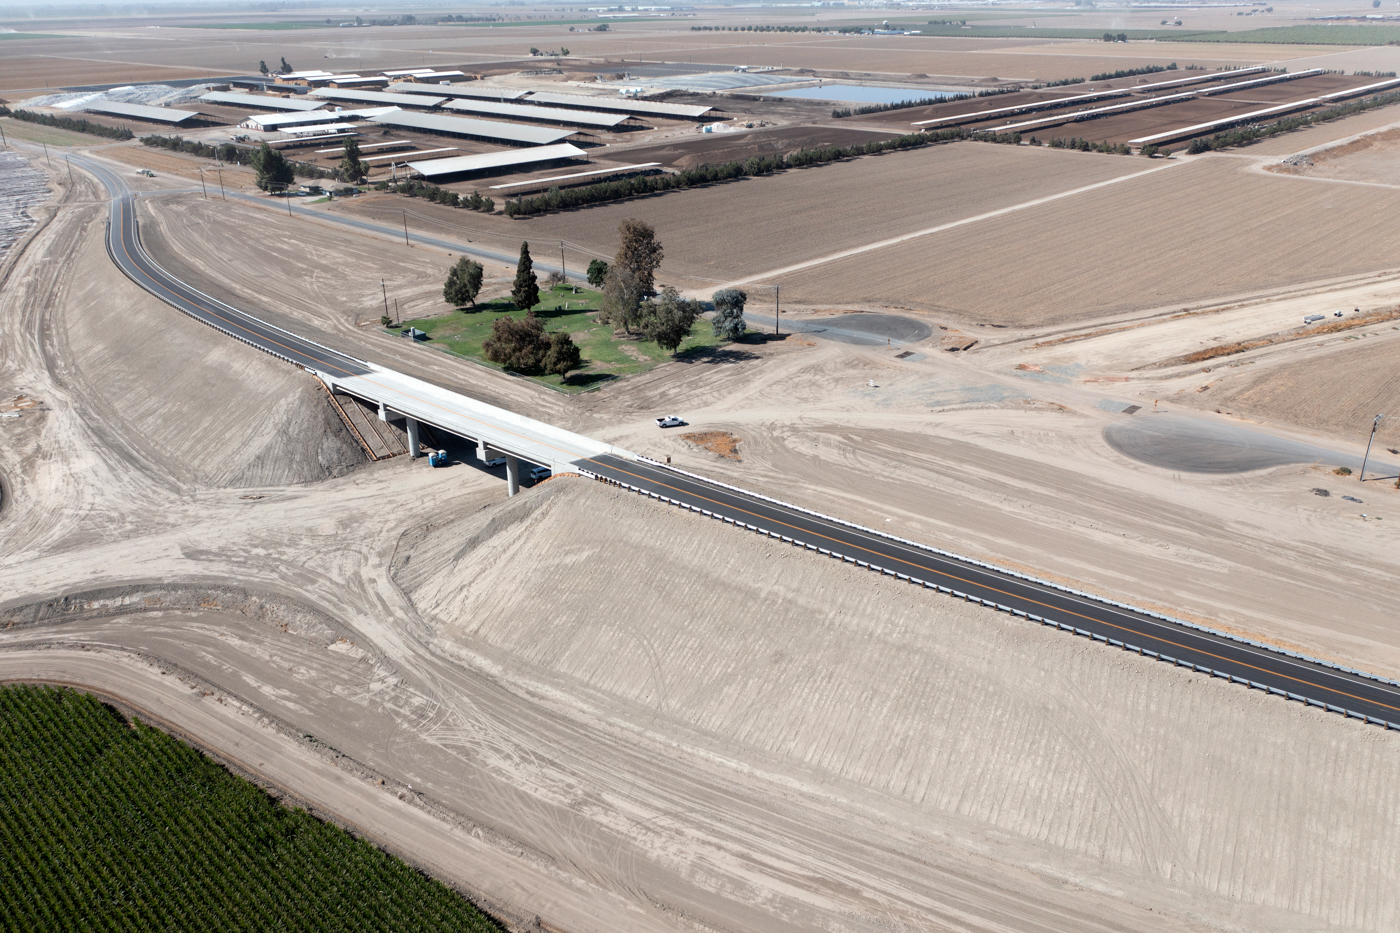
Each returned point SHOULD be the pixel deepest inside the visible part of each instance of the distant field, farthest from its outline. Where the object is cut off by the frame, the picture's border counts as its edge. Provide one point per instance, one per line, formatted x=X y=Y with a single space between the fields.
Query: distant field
x=29 y=35
x=1232 y=231
x=726 y=231
x=264 y=26
x=117 y=826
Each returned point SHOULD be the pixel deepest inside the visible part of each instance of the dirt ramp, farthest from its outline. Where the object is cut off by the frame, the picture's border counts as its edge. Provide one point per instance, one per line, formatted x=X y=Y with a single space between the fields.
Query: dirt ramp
x=187 y=399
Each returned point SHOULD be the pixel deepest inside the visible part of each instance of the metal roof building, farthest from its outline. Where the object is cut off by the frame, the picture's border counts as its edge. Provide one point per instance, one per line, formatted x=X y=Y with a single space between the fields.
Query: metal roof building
x=588 y=118
x=261 y=102
x=377 y=97
x=621 y=104
x=476 y=163
x=491 y=130
x=140 y=112
x=458 y=90
x=273 y=121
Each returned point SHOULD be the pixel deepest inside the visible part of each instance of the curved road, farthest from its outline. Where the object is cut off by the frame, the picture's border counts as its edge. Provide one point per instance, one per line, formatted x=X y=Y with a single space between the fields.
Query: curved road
x=1261 y=667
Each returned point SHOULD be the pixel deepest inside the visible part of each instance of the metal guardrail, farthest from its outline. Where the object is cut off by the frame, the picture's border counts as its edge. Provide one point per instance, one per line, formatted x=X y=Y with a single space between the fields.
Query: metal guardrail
x=958 y=594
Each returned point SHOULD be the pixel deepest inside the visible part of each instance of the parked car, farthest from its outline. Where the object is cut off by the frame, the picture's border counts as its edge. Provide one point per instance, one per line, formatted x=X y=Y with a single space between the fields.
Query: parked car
x=539 y=473
x=496 y=461
x=670 y=421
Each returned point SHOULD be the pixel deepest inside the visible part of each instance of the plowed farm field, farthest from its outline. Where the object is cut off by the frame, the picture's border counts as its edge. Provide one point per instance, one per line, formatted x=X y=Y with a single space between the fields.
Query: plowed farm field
x=1233 y=232
x=729 y=231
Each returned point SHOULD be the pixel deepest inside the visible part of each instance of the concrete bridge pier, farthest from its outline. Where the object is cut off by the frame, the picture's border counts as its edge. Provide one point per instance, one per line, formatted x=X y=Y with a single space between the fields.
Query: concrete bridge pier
x=512 y=475
x=414 y=449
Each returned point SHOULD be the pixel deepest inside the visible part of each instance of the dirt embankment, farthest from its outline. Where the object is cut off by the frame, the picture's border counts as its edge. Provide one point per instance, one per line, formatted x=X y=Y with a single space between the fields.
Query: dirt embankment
x=211 y=410
x=1096 y=767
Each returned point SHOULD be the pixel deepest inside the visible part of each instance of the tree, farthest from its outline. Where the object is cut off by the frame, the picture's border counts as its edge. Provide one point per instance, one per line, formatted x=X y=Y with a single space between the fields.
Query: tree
x=517 y=344
x=729 y=313
x=463 y=283
x=351 y=168
x=271 y=168
x=262 y=66
x=1122 y=37
x=601 y=27
x=669 y=319
x=1108 y=37
x=286 y=69
x=638 y=251
x=597 y=271
x=563 y=355
x=534 y=51
x=622 y=299
x=526 y=290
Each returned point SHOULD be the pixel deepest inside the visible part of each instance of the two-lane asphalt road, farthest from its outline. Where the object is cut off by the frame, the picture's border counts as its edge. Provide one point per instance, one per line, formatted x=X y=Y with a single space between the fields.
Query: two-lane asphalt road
x=1178 y=642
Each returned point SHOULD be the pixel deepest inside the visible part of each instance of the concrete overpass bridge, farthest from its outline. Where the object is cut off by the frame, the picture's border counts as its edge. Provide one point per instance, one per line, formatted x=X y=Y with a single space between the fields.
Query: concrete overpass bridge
x=398 y=397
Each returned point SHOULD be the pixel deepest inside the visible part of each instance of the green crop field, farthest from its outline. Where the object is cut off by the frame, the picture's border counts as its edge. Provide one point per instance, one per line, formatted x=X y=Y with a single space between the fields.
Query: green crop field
x=605 y=357
x=111 y=826
x=30 y=35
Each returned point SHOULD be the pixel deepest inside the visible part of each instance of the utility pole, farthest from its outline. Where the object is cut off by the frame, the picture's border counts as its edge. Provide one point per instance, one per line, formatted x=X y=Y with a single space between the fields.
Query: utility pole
x=398 y=318
x=204 y=191
x=221 y=183
x=386 y=297
x=1374 y=424
x=777 y=309
x=563 y=268
x=46 y=153
x=405 y=229
x=3 y=141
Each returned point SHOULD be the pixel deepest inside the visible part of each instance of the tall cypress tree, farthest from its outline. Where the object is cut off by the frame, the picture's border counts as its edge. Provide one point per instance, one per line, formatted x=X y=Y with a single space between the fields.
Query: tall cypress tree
x=526 y=290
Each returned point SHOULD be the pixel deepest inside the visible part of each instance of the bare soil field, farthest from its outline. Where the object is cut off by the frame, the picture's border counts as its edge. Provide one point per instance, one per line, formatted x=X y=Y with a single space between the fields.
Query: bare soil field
x=1330 y=386
x=1062 y=251
x=805 y=213
x=1370 y=158
x=1122 y=128
x=736 y=147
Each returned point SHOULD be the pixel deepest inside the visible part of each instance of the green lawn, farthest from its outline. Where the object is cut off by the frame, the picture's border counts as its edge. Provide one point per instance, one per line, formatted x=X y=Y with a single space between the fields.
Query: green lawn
x=605 y=357
x=111 y=826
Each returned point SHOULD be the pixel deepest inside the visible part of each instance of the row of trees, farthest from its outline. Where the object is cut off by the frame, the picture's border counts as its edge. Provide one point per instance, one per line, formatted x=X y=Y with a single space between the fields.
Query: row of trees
x=417 y=189
x=1133 y=72
x=841 y=112
x=1248 y=134
x=224 y=152
x=68 y=123
x=568 y=198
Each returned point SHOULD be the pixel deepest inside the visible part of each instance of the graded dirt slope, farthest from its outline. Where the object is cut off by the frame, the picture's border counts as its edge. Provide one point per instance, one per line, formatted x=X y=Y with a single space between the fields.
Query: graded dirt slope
x=1095 y=254
x=877 y=692
x=210 y=410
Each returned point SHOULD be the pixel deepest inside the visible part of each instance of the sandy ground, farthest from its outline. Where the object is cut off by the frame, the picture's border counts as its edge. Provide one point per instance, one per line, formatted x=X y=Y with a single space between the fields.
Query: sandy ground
x=653 y=722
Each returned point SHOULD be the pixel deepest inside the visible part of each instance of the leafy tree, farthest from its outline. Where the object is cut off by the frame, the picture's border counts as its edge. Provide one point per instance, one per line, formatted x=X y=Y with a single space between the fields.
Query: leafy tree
x=534 y=51
x=286 y=69
x=1108 y=37
x=1122 y=37
x=597 y=271
x=638 y=251
x=463 y=283
x=622 y=299
x=729 y=313
x=526 y=290
x=272 y=168
x=669 y=319
x=601 y=27
x=563 y=355
x=517 y=344
x=351 y=168
x=262 y=66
